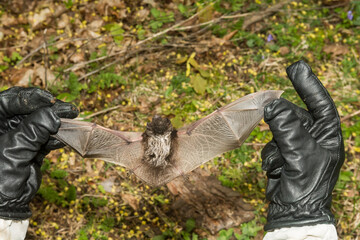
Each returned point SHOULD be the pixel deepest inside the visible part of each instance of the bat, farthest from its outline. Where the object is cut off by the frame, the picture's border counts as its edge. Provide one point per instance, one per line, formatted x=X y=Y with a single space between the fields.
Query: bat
x=162 y=153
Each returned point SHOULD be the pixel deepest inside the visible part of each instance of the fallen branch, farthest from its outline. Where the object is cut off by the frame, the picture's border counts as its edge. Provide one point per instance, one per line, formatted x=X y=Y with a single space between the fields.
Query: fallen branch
x=213 y=21
x=261 y=15
x=350 y=116
x=99 y=112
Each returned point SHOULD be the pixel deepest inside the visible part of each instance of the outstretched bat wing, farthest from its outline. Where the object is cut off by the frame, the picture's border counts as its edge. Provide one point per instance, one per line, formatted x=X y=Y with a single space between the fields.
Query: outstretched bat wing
x=94 y=141
x=221 y=131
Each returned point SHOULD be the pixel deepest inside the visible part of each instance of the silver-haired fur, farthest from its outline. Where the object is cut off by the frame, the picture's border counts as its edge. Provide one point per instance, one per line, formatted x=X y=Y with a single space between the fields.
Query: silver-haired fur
x=158 y=149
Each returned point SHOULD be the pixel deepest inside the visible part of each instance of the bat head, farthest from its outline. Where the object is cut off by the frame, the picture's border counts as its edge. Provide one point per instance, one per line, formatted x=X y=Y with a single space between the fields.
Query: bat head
x=159 y=126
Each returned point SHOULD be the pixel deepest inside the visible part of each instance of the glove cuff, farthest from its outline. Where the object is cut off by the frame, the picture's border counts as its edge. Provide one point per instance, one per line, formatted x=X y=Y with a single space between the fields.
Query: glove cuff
x=293 y=215
x=15 y=213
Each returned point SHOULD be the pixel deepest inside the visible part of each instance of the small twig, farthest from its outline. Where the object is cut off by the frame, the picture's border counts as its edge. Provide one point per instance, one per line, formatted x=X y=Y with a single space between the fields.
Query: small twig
x=355 y=55
x=99 y=113
x=261 y=15
x=91 y=195
x=255 y=144
x=17 y=46
x=30 y=54
x=350 y=116
x=99 y=69
x=172 y=27
x=213 y=21
x=46 y=63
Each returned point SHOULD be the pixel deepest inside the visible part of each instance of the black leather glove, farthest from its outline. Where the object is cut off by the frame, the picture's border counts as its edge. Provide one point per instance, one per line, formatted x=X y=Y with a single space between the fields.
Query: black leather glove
x=304 y=158
x=28 y=116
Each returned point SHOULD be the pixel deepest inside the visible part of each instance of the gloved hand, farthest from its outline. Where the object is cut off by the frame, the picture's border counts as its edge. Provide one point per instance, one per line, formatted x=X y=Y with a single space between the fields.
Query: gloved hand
x=304 y=158
x=28 y=116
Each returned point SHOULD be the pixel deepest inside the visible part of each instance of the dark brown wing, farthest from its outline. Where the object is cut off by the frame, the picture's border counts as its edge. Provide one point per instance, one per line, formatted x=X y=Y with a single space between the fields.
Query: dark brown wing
x=221 y=131
x=94 y=141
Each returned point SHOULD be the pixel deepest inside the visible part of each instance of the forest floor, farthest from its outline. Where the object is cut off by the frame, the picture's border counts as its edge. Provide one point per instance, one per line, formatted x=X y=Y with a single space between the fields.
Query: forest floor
x=121 y=62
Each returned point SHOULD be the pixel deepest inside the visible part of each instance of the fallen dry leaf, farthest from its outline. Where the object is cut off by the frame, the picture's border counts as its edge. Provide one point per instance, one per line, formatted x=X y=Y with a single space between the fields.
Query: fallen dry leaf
x=60 y=45
x=77 y=57
x=8 y=20
x=40 y=72
x=336 y=49
x=230 y=35
x=99 y=165
x=131 y=200
x=108 y=184
x=219 y=41
x=88 y=168
x=151 y=3
x=20 y=6
x=39 y=18
x=284 y=50
x=103 y=5
x=142 y=14
x=63 y=21
x=95 y=25
x=22 y=77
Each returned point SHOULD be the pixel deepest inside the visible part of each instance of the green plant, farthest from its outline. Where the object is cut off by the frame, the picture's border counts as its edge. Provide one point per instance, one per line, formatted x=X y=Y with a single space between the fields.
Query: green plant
x=13 y=59
x=68 y=3
x=116 y=31
x=160 y=18
x=74 y=86
x=248 y=231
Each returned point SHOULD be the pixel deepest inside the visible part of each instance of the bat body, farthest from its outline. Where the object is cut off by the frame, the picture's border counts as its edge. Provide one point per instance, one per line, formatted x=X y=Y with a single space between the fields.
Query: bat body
x=162 y=152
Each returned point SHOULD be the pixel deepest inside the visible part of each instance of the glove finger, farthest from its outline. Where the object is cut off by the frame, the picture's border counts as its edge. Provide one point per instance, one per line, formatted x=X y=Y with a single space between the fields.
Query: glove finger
x=20 y=101
x=288 y=131
x=9 y=124
x=60 y=108
x=53 y=144
x=304 y=116
x=270 y=155
x=21 y=145
x=313 y=93
x=64 y=109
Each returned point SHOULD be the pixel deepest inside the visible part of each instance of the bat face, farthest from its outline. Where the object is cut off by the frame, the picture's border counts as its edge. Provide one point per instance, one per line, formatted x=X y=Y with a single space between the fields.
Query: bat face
x=162 y=153
x=158 y=140
x=159 y=126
